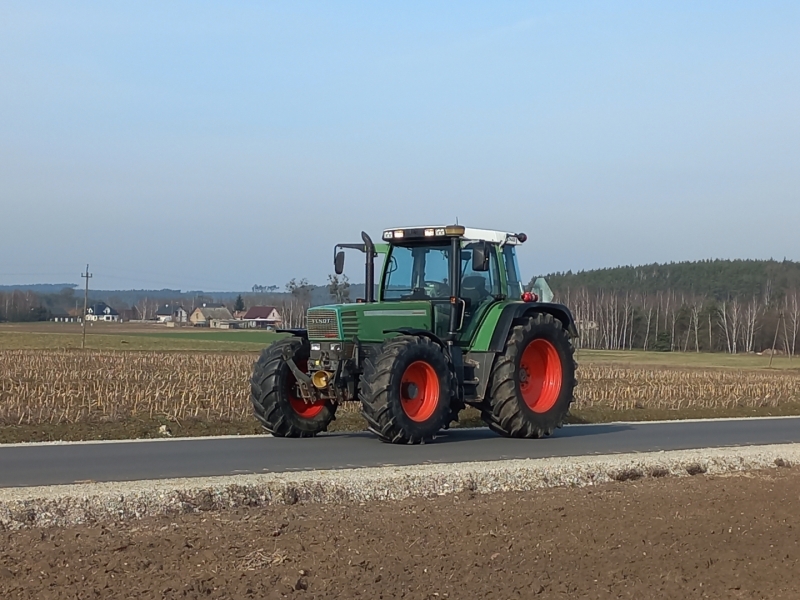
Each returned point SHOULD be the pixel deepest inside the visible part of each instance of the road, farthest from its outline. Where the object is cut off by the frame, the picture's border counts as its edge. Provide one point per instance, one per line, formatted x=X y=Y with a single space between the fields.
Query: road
x=64 y=463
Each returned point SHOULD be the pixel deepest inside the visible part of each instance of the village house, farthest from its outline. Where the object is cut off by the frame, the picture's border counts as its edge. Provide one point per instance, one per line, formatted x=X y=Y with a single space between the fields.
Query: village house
x=171 y=313
x=101 y=312
x=262 y=317
x=210 y=316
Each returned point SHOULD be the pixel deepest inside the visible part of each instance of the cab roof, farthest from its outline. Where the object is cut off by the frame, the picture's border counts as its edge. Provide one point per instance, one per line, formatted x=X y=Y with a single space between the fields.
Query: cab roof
x=397 y=235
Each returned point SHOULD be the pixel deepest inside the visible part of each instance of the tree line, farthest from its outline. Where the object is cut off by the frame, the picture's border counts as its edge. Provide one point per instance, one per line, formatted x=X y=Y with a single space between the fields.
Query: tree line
x=717 y=279
x=669 y=321
x=22 y=306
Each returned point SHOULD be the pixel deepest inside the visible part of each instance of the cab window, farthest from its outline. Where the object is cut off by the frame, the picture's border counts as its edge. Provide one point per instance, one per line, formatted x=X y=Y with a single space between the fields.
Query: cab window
x=478 y=286
x=515 y=287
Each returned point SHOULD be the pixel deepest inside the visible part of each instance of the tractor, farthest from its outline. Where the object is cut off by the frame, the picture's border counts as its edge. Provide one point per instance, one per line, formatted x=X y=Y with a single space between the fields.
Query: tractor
x=448 y=325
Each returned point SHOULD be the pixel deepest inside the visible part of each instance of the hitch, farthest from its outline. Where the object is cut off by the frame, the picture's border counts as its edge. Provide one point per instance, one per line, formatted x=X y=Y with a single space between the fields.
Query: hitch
x=303 y=380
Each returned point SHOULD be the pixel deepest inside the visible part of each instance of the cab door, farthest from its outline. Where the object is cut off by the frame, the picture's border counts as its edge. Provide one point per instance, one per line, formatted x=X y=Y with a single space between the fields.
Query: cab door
x=479 y=291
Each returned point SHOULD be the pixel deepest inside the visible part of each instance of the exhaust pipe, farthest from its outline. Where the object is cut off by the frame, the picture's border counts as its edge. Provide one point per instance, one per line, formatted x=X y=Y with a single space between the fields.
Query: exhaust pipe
x=369 y=250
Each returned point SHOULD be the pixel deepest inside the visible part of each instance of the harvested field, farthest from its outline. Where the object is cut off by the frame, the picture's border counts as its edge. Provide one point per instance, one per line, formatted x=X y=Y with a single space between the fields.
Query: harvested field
x=623 y=387
x=69 y=387
x=712 y=537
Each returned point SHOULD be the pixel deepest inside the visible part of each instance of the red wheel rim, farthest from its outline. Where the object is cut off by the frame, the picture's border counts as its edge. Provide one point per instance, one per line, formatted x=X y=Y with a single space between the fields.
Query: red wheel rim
x=419 y=391
x=540 y=375
x=303 y=409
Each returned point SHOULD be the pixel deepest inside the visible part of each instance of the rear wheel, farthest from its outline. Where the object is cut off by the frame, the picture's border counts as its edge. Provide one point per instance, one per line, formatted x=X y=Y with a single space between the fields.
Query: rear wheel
x=276 y=399
x=406 y=389
x=533 y=381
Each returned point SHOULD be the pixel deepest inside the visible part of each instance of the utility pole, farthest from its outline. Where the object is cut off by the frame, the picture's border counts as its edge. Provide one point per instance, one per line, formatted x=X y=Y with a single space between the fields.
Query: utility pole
x=87 y=276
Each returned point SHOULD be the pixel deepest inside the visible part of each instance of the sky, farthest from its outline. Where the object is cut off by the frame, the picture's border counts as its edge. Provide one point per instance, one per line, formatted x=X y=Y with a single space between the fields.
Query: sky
x=218 y=145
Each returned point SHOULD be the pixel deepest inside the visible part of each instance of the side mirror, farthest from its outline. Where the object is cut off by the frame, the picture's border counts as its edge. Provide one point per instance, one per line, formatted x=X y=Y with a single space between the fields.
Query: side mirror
x=480 y=257
x=338 y=262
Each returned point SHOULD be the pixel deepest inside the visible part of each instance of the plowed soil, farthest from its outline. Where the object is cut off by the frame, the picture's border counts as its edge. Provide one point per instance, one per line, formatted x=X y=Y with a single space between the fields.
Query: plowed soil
x=700 y=537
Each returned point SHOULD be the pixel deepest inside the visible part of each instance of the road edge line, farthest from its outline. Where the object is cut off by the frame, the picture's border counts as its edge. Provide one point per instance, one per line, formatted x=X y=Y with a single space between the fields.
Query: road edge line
x=255 y=436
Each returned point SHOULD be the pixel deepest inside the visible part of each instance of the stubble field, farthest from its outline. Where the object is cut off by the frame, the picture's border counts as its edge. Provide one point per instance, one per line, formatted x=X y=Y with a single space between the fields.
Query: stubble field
x=131 y=381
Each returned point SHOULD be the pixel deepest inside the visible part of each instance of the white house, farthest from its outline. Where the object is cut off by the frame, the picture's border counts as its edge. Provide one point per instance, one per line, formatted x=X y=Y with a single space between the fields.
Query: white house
x=101 y=312
x=171 y=313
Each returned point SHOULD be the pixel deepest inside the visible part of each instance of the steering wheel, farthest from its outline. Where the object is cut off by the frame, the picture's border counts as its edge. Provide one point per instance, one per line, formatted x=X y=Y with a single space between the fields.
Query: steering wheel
x=440 y=289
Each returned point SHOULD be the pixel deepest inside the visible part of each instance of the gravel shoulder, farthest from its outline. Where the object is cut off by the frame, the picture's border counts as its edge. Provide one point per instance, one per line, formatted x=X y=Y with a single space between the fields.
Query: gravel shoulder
x=107 y=502
x=712 y=536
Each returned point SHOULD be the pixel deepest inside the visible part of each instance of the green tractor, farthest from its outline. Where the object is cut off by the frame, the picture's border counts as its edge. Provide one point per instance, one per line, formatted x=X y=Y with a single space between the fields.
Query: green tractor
x=451 y=327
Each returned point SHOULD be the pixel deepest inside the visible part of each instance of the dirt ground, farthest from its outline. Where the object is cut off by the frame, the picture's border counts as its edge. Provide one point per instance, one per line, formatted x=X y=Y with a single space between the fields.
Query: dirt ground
x=701 y=537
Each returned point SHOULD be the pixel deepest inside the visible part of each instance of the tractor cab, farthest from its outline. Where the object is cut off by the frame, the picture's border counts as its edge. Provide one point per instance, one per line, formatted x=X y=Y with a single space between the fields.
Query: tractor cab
x=459 y=272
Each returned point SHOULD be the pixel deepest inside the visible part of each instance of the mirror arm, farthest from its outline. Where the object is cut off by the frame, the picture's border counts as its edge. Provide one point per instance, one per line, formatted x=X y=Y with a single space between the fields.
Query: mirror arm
x=359 y=247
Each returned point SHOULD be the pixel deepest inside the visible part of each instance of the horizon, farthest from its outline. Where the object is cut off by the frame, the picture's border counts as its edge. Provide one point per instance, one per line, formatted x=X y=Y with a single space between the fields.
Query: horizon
x=281 y=289
x=213 y=147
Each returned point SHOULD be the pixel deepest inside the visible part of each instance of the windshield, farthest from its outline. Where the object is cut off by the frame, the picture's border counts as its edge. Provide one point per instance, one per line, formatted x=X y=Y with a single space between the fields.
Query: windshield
x=417 y=273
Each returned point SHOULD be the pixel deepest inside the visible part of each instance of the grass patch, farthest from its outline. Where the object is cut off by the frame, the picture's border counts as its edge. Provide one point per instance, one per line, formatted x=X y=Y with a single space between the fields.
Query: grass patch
x=262 y=338
x=146 y=342
x=600 y=414
x=686 y=359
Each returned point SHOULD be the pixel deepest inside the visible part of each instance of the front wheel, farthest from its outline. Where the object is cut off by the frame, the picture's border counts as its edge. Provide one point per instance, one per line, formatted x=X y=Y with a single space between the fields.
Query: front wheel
x=406 y=390
x=275 y=396
x=532 y=382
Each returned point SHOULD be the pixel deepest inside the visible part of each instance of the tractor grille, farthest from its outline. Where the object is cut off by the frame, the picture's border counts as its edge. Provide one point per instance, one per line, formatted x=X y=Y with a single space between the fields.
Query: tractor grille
x=322 y=324
x=349 y=325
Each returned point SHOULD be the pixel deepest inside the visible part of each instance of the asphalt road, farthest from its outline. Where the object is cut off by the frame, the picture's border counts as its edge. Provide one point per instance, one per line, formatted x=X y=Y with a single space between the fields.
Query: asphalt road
x=49 y=464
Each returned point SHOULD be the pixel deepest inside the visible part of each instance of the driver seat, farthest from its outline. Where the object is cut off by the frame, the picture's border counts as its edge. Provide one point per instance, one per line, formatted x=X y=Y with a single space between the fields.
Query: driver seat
x=473 y=288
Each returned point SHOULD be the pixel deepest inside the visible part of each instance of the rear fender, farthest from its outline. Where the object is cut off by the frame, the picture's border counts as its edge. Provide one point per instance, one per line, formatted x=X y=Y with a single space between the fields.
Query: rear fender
x=519 y=310
x=421 y=332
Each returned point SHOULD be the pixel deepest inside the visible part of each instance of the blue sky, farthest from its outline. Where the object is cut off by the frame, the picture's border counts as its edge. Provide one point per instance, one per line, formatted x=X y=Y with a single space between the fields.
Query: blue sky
x=211 y=145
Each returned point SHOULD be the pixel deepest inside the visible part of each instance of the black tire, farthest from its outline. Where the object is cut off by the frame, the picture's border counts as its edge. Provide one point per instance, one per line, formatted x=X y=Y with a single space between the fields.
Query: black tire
x=391 y=405
x=271 y=393
x=506 y=411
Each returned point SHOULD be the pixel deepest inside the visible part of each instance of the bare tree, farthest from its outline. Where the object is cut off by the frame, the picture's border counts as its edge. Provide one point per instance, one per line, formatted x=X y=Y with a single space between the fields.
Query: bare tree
x=339 y=288
x=673 y=313
x=751 y=314
x=792 y=309
x=295 y=306
x=697 y=307
x=647 y=322
x=627 y=307
x=730 y=315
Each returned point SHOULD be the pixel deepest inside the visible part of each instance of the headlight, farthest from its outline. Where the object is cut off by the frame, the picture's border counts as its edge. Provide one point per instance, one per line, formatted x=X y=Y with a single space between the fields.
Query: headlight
x=316 y=347
x=336 y=347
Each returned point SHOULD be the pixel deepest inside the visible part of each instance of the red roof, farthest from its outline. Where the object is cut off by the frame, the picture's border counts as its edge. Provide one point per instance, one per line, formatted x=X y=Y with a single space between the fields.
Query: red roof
x=259 y=312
